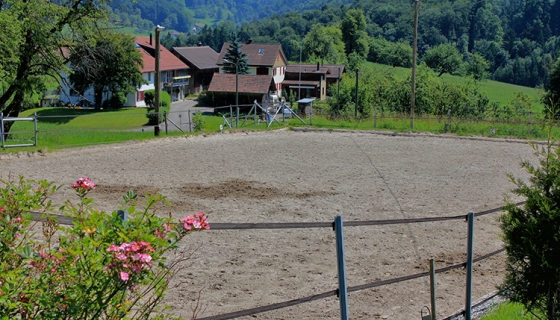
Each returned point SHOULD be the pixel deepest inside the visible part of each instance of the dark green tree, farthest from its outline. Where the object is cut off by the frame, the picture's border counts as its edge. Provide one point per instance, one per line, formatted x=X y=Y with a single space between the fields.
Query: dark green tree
x=444 y=58
x=477 y=67
x=354 y=34
x=531 y=234
x=552 y=96
x=235 y=59
x=110 y=64
x=325 y=44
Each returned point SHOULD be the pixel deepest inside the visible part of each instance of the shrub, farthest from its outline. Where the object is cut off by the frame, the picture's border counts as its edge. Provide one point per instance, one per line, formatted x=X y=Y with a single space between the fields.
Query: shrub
x=100 y=267
x=531 y=234
x=198 y=121
x=165 y=103
x=206 y=99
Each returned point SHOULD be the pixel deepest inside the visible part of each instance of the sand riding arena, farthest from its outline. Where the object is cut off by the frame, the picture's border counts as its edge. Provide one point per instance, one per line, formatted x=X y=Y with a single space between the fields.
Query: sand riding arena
x=296 y=177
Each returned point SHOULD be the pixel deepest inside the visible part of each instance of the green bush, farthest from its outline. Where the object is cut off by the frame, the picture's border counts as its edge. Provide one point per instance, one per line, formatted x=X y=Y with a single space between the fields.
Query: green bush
x=165 y=105
x=99 y=267
x=198 y=122
x=531 y=234
x=206 y=99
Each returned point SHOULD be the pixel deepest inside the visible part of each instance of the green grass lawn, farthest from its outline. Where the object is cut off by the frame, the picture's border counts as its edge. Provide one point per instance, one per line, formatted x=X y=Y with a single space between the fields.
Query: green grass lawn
x=509 y=311
x=61 y=127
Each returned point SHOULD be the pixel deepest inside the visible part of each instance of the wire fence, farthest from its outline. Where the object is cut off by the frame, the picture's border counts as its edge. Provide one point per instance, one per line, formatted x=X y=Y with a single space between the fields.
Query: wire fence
x=64 y=220
x=134 y=123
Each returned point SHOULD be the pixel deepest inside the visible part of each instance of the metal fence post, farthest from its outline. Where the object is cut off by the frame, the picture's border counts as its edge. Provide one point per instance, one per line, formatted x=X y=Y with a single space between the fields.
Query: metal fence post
x=35 y=126
x=433 y=288
x=311 y=114
x=190 y=121
x=165 y=117
x=122 y=215
x=470 y=244
x=237 y=117
x=342 y=289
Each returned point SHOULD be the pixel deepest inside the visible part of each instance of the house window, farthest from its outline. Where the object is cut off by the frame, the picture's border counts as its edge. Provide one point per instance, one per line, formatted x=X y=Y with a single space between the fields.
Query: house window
x=262 y=70
x=149 y=76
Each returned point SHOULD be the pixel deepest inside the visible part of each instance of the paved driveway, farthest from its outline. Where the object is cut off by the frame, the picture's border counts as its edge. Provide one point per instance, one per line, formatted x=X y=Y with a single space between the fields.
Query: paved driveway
x=180 y=112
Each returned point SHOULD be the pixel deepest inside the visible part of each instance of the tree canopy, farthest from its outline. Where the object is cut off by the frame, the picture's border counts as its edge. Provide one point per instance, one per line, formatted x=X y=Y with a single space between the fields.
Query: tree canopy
x=444 y=58
x=39 y=32
x=109 y=63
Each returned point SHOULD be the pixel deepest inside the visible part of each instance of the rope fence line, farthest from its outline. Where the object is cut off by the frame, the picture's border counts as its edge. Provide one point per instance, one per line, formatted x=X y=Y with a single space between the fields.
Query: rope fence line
x=280 y=305
x=64 y=220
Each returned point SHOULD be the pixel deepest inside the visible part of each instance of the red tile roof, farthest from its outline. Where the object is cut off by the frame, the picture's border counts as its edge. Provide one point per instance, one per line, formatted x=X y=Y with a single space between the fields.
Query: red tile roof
x=258 y=54
x=201 y=57
x=225 y=82
x=168 y=61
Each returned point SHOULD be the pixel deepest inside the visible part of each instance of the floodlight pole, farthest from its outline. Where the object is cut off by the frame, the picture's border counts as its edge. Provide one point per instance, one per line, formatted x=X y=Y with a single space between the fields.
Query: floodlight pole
x=157 y=81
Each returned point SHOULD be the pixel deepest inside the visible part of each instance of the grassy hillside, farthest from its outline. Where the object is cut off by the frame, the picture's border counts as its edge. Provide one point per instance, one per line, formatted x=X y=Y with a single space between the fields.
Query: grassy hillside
x=498 y=92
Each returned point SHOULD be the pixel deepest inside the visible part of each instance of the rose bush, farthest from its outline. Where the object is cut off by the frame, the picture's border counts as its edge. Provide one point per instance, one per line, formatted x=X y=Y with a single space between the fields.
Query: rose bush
x=100 y=267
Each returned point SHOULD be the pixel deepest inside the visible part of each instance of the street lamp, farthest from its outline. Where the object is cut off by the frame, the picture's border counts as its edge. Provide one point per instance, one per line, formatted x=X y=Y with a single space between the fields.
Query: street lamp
x=157 y=81
x=236 y=89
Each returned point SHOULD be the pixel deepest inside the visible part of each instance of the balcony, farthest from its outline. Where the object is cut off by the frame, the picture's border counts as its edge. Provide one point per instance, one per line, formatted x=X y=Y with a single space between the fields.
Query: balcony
x=177 y=81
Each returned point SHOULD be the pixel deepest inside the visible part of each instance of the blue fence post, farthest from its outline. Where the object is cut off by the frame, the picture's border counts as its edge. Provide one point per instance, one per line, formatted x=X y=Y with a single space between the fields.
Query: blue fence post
x=122 y=215
x=470 y=245
x=342 y=289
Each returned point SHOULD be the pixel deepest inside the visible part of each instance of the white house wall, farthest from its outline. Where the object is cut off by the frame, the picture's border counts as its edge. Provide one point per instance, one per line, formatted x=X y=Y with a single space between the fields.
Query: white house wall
x=131 y=97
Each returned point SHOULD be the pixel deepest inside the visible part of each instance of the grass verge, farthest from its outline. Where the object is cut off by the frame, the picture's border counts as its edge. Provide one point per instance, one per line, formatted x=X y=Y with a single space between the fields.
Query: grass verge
x=509 y=311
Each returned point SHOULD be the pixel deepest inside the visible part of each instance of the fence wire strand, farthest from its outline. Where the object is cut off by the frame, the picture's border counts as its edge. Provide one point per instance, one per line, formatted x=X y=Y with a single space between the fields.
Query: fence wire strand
x=64 y=220
x=280 y=305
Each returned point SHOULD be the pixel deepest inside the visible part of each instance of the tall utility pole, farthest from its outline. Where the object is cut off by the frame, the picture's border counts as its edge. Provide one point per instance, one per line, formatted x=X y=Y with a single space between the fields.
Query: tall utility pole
x=157 y=81
x=414 y=49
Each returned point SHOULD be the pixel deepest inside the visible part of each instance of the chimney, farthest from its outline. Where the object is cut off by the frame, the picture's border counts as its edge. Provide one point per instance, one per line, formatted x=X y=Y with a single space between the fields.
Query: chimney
x=249 y=41
x=199 y=44
x=317 y=66
x=150 y=38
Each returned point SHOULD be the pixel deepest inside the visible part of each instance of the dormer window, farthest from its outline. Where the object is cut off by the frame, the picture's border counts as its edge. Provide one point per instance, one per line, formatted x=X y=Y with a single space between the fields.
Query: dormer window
x=261 y=51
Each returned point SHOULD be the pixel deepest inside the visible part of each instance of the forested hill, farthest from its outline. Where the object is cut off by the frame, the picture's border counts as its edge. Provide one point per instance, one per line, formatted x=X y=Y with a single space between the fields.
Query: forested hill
x=518 y=38
x=181 y=15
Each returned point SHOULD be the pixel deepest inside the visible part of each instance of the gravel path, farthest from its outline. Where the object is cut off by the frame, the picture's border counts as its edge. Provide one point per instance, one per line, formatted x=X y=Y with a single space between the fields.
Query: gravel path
x=287 y=176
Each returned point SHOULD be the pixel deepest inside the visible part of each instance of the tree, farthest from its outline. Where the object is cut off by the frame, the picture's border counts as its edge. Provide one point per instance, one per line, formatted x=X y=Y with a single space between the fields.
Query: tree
x=354 y=34
x=444 y=58
x=531 y=234
x=324 y=43
x=552 y=96
x=37 y=33
x=235 y=58
x=109 y=64
x=477 y=67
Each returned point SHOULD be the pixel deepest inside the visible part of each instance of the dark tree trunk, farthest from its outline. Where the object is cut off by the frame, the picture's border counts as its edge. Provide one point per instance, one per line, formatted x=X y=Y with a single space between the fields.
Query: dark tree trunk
x=12 y=111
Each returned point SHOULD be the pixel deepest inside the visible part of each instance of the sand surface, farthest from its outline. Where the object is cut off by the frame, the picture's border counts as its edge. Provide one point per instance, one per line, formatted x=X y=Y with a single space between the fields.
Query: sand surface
x=287 y=176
